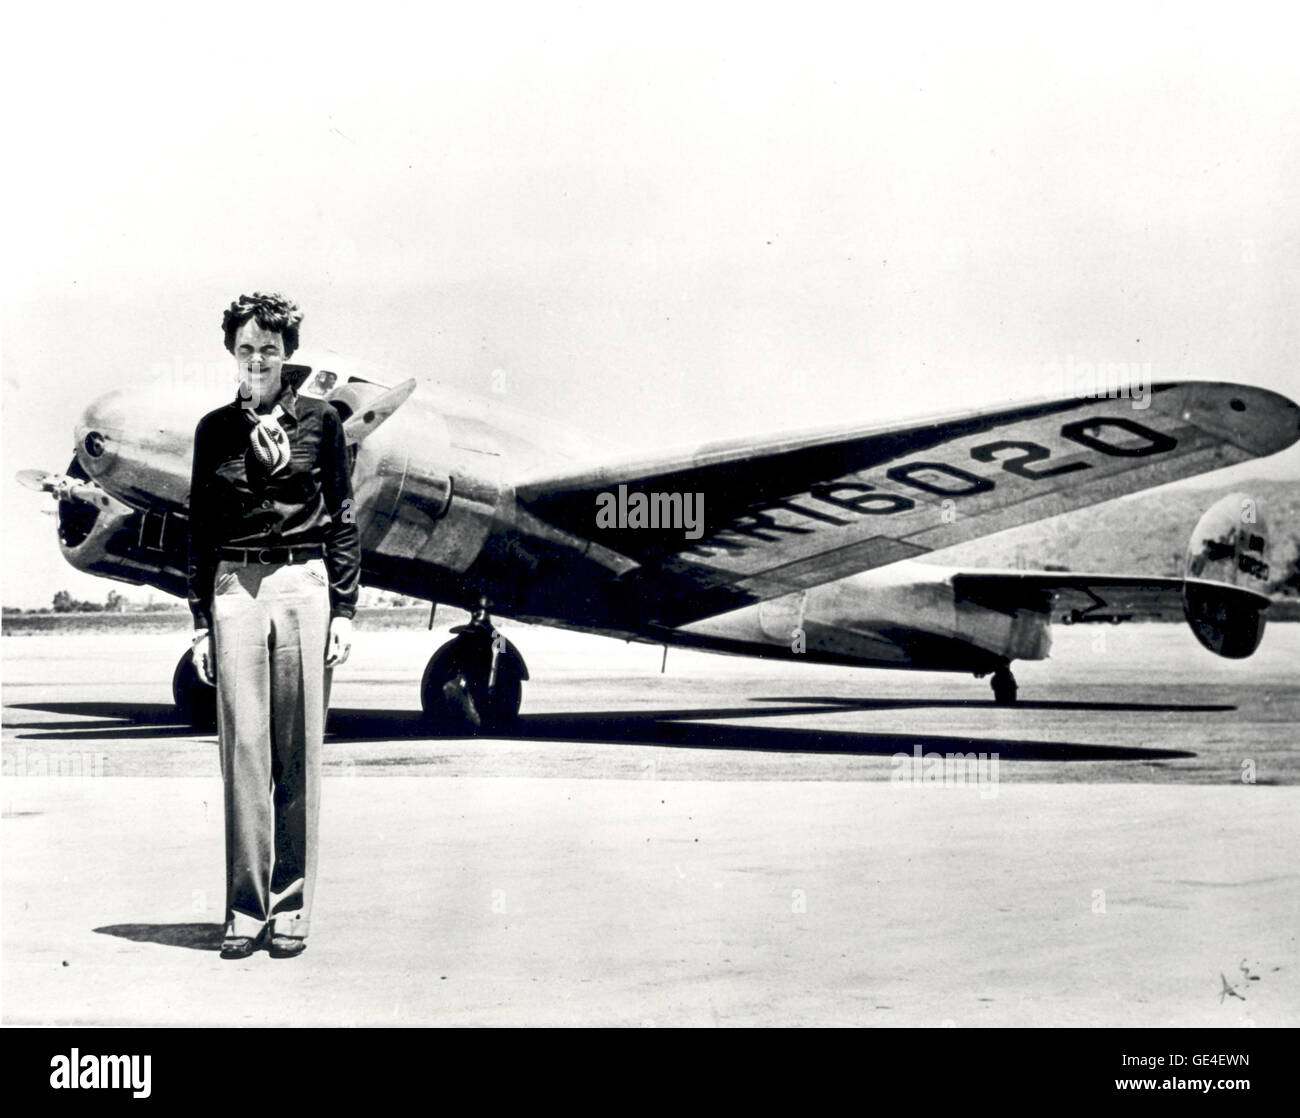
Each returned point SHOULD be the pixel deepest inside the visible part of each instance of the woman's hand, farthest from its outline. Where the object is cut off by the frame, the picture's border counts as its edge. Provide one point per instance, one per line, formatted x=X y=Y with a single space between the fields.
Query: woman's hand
x=340 y=642
x=201 y=654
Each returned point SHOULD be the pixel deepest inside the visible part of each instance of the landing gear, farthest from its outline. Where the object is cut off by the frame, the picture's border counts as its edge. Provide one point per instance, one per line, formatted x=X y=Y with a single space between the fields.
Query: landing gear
x=1004 y=686
x=196 y=701
x=474 y=684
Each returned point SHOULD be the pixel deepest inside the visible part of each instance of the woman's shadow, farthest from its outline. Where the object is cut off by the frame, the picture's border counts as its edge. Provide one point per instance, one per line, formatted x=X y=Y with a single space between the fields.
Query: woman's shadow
x=197 y=937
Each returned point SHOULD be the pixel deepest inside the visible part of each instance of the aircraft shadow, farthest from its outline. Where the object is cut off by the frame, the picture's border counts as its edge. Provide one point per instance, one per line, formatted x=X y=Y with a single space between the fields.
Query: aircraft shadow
x=688 y=729
x=975 y=704
x=106 y=719
x=682 y=728
x=197 y=937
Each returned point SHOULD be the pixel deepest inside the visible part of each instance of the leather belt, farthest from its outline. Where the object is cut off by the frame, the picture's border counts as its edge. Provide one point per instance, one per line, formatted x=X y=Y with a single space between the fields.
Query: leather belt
x=302 y=554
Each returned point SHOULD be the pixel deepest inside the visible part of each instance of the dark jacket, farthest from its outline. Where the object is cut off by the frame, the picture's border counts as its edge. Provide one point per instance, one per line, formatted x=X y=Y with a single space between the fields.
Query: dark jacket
x=235 y=502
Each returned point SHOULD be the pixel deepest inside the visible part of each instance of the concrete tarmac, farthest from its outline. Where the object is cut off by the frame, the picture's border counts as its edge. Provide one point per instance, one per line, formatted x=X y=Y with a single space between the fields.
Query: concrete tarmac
x=733 y=842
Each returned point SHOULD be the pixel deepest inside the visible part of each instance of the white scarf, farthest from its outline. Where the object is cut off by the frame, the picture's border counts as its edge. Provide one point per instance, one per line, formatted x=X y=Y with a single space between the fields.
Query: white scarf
x=270 y=442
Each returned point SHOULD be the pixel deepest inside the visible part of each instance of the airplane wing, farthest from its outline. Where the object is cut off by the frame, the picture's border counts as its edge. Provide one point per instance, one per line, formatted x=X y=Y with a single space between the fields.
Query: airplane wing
x=1072 y=597
x=788 y=513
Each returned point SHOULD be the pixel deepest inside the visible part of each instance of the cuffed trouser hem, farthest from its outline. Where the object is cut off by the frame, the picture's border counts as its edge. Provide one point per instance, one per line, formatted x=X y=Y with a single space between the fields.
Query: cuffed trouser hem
x=282 y=924
x=241 y=924
x=290 y=924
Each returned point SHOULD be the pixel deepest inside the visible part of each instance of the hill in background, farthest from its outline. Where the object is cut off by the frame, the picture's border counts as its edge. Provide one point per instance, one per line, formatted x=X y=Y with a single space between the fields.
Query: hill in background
x=1144 y=534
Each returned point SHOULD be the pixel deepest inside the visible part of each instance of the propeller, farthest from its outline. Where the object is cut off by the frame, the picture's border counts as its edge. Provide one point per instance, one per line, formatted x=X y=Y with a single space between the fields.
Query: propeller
x=360 y=426
x=35 y=480
x=65 y=488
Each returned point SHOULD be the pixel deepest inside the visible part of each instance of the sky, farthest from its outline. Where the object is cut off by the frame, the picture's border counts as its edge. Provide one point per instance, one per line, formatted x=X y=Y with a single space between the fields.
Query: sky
x=661 y=223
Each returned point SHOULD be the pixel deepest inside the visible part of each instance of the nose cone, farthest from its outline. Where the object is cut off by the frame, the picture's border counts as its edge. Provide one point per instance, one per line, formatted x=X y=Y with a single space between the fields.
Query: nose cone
x=136 y=443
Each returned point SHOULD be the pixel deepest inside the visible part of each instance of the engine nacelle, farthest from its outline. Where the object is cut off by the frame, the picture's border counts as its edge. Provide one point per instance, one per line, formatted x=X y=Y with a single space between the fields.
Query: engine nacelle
x=426 y=483
x=103 y=536
x=1229 y=546
x=906 y=615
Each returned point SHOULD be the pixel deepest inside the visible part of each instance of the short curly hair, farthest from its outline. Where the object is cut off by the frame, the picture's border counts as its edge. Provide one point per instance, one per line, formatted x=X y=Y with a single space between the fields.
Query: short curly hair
x=273 y=311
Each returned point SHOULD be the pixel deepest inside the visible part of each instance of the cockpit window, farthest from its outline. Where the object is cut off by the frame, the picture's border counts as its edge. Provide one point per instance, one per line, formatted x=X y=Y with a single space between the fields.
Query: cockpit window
x=321 y=385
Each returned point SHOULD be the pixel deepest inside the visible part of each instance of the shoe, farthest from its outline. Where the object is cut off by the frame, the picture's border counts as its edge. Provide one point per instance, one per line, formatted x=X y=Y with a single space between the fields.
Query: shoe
x=238 y=947
x=286 y=947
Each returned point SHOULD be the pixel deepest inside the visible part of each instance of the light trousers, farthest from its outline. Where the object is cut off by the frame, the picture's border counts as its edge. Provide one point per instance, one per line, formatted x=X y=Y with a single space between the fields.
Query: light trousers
x=270 y=628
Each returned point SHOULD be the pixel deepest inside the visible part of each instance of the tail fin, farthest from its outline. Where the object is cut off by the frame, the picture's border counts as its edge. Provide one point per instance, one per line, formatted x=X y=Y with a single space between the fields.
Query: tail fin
x=1229 y=545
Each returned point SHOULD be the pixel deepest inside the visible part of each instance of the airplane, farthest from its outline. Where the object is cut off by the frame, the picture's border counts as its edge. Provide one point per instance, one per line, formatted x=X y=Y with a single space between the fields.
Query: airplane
x=798 y=546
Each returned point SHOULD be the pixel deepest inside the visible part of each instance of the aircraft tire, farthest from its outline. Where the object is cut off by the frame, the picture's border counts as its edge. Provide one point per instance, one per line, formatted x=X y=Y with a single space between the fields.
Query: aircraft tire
x=454 y=694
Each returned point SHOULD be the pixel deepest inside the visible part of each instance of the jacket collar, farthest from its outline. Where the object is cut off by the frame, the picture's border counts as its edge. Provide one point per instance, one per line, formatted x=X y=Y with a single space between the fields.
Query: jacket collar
x=288 y=401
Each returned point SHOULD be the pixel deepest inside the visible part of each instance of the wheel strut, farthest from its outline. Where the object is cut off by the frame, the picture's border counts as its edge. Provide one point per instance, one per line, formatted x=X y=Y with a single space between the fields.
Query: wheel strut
x=1004 y=685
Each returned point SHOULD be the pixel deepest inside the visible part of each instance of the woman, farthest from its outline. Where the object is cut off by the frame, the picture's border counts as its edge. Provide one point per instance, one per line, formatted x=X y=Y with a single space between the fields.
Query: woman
x=274 y=568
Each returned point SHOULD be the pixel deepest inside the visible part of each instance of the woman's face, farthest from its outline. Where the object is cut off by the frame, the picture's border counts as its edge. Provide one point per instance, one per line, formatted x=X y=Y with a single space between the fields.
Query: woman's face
x=259 y=353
